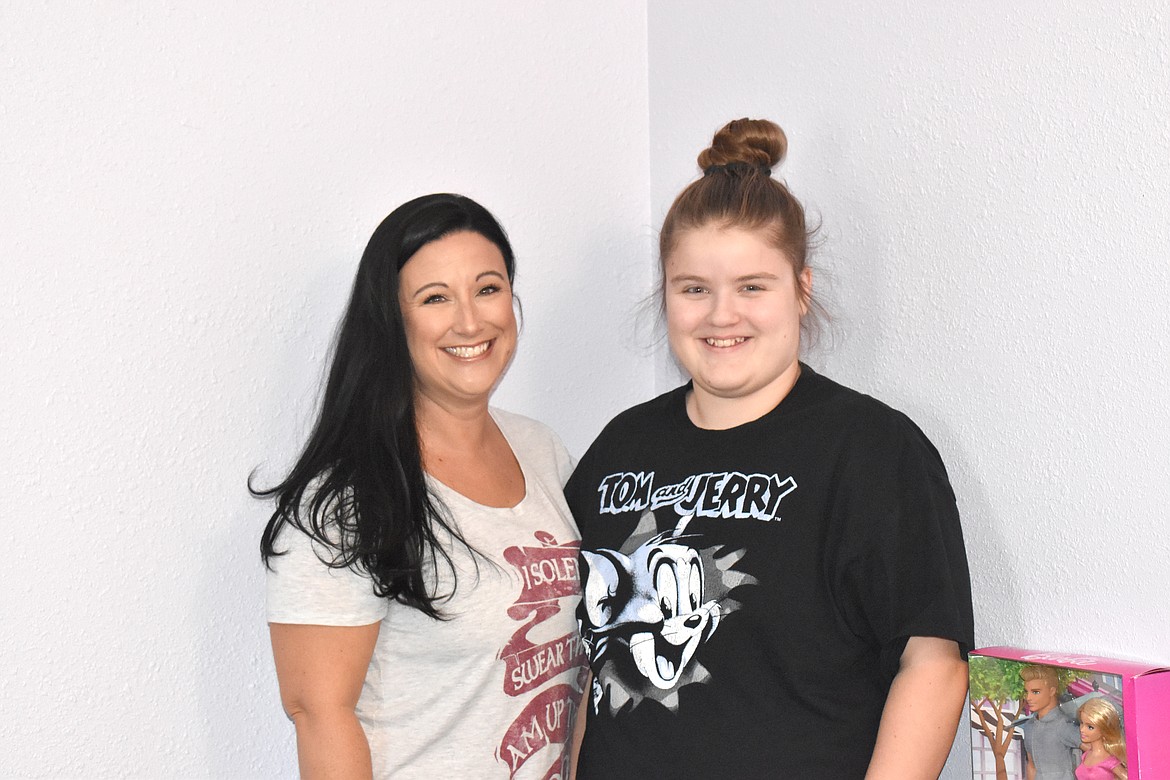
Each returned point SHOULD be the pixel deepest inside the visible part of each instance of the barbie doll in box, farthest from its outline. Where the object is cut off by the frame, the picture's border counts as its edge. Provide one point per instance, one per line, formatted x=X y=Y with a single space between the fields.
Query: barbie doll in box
x=1104 y=745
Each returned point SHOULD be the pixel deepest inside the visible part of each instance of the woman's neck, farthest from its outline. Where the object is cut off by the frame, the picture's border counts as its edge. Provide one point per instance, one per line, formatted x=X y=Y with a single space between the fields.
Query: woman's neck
x=452 y=426
x=463 y=448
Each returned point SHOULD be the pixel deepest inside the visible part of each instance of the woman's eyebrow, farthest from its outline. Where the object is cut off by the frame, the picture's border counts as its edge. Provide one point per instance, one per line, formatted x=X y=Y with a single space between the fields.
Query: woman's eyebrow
x=442 y=285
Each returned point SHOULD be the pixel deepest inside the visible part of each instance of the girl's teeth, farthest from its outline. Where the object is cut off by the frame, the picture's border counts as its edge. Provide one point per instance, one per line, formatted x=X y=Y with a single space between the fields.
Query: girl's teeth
x=468 y=352
x=725 y=342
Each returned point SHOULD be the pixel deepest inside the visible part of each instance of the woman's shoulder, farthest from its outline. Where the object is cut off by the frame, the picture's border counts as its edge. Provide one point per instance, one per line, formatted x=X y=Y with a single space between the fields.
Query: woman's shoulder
x=518 y=426
x=534 y=441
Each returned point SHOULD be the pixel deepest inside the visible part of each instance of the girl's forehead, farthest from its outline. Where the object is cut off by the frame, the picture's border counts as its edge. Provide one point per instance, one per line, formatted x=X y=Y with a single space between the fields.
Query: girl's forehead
x=718 y=248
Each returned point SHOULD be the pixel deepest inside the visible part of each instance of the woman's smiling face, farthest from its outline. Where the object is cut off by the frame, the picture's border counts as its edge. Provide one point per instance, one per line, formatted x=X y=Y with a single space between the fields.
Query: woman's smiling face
x=456 y=306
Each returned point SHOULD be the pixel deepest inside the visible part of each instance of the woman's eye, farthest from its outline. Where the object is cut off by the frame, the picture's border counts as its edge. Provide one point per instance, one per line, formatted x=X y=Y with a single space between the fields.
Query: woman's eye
x=489 y=289
x=433 y=299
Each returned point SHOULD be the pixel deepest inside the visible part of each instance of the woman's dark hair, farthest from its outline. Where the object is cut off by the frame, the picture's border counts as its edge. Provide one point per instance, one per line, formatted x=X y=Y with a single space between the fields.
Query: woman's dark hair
x=358 y=488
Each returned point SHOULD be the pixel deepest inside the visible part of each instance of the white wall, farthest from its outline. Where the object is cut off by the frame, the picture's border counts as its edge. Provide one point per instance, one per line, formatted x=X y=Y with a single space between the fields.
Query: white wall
x=994 y=184
x=185 y=190
x=185 y=194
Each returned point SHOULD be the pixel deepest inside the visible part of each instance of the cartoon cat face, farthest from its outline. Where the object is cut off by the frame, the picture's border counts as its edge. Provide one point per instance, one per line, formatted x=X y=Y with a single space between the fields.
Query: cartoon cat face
x=653 y=600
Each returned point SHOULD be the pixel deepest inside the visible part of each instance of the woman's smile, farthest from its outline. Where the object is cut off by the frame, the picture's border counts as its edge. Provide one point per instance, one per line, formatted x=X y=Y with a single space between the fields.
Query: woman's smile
x=469 y=352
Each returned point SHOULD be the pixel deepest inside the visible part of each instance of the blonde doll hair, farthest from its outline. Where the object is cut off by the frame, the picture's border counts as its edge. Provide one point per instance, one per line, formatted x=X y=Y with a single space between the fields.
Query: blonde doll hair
x=1102 y=715
x=1045 y=674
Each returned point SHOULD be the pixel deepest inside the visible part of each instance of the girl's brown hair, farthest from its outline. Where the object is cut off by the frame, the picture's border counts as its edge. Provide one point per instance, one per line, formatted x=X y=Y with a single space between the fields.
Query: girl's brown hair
x=737 y=191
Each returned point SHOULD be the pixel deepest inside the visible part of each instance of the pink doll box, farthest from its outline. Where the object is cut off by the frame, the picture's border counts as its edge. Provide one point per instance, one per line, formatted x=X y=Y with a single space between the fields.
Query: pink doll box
x=1140 y=692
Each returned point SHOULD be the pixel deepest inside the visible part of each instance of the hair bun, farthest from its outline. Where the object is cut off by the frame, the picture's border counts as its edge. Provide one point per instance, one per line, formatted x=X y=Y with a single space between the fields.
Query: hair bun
x=756 y=142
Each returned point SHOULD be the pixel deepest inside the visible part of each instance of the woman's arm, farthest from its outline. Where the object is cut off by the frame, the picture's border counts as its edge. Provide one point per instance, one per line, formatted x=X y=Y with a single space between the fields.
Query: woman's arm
x=320 y=670
x=922 y=711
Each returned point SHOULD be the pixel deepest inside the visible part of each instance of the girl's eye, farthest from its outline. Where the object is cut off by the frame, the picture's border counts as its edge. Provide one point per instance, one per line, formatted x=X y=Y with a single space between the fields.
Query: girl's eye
x=693 y=290
x=752 y=288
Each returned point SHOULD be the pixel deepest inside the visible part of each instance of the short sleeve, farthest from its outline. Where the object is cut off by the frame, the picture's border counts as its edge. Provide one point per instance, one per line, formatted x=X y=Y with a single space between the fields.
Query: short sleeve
x=565 y=462
x=901 y=570
x=303 y=589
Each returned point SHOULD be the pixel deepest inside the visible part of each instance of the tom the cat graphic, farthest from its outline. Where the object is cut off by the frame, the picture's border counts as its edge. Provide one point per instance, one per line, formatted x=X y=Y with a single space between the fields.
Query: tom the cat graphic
x=646 y=610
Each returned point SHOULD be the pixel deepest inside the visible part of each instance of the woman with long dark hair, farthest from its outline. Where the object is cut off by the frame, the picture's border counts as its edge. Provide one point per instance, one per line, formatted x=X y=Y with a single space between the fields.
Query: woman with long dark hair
x=775 y=584
x=422 y=560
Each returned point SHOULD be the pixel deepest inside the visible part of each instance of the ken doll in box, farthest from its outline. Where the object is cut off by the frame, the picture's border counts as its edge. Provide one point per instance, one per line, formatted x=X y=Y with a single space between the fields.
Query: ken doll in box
x=1024 y=718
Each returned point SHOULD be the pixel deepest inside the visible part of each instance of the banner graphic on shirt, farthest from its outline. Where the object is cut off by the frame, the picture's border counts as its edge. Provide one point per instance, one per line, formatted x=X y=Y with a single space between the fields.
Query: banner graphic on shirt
x=544 y=721
x=647 y=610
x=550 y=581
x=549 y=572
x=529 y=665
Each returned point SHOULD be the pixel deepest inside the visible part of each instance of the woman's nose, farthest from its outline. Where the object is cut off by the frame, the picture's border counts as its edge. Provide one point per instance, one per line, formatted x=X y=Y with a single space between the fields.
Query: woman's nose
x=467 y=319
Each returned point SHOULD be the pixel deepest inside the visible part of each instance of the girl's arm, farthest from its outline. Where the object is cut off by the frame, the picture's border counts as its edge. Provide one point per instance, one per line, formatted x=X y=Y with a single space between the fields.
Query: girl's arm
x=922 y=712
x=578 y=735
x=320 y=670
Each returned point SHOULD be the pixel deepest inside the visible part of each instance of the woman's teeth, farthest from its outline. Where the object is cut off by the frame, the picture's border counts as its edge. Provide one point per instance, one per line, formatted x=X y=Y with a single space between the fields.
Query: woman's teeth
x=725 y=342
x=468 y=352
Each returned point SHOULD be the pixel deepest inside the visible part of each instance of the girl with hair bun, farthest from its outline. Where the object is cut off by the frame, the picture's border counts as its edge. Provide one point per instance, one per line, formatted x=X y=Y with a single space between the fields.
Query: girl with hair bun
x=1103 y=743
x=775 y=583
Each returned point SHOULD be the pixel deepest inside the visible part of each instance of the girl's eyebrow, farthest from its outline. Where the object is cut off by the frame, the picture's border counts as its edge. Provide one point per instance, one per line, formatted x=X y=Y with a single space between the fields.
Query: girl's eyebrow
x=762 y=275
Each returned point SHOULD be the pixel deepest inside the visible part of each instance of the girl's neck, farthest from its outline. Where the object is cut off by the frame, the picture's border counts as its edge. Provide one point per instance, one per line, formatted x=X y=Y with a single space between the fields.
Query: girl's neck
x=713 y=412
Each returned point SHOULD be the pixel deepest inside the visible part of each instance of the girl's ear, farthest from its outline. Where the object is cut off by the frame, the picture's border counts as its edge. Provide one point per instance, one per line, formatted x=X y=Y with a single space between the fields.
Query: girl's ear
x=805 y=281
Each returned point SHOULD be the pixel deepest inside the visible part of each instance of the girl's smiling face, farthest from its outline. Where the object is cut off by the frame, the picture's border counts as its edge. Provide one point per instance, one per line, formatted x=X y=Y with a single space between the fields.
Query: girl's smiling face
x=733 y=312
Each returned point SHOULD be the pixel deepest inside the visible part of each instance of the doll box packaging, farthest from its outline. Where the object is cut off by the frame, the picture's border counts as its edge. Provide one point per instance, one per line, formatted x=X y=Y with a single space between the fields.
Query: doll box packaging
x=1139 y=693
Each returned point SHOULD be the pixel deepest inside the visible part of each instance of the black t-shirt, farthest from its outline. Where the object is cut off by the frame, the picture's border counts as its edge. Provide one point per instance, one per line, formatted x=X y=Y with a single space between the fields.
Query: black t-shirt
x=748 y=592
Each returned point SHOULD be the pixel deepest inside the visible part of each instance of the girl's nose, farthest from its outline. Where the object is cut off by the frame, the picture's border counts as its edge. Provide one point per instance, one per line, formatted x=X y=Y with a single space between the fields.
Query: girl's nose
x=723 y=309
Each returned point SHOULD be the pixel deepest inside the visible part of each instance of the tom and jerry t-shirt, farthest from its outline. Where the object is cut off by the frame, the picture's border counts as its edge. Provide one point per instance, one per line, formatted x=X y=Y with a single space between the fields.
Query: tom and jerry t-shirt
x=748 y=592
